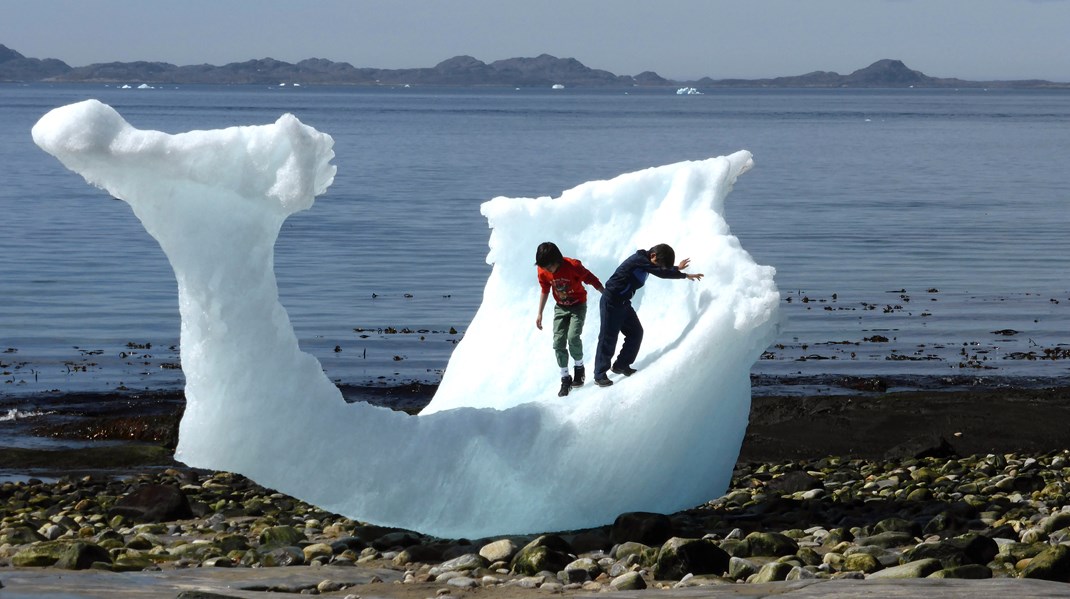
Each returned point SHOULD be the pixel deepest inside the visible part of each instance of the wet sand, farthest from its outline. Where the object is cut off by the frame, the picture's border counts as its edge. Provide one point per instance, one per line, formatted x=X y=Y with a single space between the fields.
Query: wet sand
x=904 y=424
x=850 y=425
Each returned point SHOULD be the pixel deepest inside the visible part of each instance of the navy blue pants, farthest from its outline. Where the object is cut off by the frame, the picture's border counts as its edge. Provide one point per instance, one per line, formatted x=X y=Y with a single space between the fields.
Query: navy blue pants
x=618 y=316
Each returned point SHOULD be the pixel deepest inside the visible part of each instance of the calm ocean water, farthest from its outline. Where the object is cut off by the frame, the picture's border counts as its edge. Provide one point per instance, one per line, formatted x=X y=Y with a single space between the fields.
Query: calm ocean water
x=918 y=235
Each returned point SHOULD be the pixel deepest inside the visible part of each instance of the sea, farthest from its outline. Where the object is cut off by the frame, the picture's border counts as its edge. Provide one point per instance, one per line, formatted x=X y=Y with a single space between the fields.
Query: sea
x=920 y=236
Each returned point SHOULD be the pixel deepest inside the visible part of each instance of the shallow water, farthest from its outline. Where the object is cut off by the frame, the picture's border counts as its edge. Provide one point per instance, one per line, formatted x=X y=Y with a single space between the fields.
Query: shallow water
x=935 y=218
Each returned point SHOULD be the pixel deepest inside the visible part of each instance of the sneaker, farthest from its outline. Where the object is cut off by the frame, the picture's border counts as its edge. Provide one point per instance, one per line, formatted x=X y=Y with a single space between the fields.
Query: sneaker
x=625 y=370
x=566 y=386
x=603 y=382
x=577 y=378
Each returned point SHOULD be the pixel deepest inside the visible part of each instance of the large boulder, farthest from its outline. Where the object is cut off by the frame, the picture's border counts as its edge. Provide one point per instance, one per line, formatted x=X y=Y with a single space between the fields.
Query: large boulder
x=77 y=555
x=772 y=572
x=772 y=544
x=498 y=551
x=153 y=503
x=679 y=557
x=80 y=555
x=641 y=527
x=917 y=569
x=1051 y=564
x=548 y=552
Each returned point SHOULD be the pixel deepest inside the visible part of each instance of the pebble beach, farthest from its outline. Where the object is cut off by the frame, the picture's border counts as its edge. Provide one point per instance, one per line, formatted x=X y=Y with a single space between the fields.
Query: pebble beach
x=895 y=494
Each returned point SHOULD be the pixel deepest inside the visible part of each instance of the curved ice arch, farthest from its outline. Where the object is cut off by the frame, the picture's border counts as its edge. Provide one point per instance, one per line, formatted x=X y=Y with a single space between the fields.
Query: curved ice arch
x=495 y=452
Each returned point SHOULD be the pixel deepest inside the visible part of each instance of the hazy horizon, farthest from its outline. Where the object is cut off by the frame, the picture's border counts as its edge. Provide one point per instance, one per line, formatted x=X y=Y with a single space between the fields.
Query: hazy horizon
x=678 y=39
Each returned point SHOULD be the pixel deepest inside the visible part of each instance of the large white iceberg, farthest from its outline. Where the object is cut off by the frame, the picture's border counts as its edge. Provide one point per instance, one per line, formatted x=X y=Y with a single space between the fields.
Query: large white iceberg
x=496 y=451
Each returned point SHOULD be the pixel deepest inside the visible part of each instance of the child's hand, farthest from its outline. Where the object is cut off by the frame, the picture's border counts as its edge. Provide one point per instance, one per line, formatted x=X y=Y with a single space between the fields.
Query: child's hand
x=695 y=277
x=683 y=263
x=538 y=322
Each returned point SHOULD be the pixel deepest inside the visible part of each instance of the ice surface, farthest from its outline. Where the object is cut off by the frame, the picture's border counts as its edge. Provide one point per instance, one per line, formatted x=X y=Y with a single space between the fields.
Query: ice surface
x=496 y=451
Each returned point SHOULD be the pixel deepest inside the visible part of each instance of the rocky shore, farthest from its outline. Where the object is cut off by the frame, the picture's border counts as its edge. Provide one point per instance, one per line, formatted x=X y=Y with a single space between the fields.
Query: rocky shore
x=921 y=507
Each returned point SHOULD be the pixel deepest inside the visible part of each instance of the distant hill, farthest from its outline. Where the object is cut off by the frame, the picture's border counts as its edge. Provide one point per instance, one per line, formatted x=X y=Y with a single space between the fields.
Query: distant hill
x=541 y=71
x=16 y=67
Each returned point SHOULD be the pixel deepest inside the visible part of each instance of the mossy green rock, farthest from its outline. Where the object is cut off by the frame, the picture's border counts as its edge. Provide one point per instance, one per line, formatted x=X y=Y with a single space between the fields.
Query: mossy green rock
x=132 y=563
x=548 y=552
x=772 y=572
x=735 y=547
x=39 y=556
x=281 y=536
x=1051 y=564
x=77 y=555
x=80 y=555
x=740 y=569
x=1015 y=552
x=861 y=562
x=629 y=581
x=773 y=544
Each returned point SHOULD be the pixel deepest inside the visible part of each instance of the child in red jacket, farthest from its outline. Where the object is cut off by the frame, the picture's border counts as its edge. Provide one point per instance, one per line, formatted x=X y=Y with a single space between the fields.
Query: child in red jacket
x=565 y=277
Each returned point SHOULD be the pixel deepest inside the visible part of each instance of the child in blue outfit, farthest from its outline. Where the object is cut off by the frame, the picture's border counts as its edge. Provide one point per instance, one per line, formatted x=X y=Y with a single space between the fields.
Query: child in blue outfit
x=618 y=315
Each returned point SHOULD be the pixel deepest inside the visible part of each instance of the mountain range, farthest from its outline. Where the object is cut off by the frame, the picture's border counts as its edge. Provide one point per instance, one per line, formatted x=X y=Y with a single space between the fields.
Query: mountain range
x=540 y=71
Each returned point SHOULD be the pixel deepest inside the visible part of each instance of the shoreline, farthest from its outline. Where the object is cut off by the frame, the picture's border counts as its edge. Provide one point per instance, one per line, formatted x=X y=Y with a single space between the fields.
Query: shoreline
x=832 y=496
x=859 y=419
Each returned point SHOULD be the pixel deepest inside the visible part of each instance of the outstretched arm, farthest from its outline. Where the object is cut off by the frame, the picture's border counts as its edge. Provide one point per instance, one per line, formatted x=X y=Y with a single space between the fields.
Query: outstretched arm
x=690 y=277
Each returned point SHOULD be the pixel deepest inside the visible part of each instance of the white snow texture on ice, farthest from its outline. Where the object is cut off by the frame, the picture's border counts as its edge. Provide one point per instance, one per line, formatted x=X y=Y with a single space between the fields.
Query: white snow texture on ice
x=496 y=451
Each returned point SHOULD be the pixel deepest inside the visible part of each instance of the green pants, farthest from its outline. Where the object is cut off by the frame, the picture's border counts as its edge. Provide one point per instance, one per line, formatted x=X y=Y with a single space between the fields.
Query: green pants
x=568 y=324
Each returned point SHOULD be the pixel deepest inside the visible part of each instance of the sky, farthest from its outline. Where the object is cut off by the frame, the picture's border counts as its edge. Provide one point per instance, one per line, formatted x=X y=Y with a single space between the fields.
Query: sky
x=678 y=39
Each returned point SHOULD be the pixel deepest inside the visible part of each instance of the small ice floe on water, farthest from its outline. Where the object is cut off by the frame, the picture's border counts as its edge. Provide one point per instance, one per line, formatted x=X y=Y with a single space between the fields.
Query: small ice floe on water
x=15 y=414
x=282 y=85
x=688 y=91
x=126 y=86
x=145 y=86
x=557 y=86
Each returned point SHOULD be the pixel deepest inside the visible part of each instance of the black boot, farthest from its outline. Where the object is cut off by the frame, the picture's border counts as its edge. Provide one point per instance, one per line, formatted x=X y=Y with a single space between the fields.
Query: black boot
x=577 y=378
x=566 y=386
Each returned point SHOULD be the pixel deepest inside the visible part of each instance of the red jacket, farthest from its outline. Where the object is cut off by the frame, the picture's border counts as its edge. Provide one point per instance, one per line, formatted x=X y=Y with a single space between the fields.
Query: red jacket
x=567 y=282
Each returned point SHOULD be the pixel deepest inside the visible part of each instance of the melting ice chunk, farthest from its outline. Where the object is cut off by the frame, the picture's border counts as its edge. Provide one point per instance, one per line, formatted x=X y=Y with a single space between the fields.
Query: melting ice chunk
x=496 y=451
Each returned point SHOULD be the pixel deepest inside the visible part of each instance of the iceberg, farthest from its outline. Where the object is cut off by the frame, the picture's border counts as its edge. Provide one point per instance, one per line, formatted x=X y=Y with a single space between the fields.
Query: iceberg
x=496 y=451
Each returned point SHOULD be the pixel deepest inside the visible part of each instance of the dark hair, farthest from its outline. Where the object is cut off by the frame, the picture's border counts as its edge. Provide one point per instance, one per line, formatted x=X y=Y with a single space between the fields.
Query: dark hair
x=665 y=254
x=547 y=254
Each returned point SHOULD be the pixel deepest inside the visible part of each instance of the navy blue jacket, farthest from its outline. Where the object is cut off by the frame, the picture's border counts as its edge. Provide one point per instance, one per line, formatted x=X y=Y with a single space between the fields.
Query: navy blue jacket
x=632 y=274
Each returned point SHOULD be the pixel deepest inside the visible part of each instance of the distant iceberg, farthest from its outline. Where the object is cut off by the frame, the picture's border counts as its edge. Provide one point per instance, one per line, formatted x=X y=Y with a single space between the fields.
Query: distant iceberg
x=557 y=86
x=688 y=91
